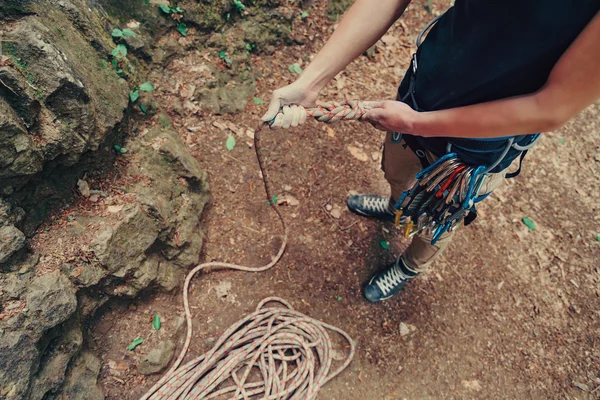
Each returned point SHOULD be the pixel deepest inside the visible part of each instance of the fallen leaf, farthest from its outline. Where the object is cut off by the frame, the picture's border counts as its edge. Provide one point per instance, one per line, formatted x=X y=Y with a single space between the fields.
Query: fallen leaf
x=288 y=199
x=258 y=101
x=529 y=223
x=330 y=132
x=384 y=244
x=389 y=39
x=472 y=385
x=295 y=68
x=230 y=143
x=135 y=344
x=357 y=153
x=156 y=322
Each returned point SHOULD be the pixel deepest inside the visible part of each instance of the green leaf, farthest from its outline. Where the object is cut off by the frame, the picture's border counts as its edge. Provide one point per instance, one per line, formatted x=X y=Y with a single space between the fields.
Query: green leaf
x=561 y=140
x=304 y=15
x=143 y=108
x=134 y=95
x=128 y=32
x=120 y=51
x=156 y=322
x=117 y=148
x=274 y=199
x=182 y=28
x=529 y=222
x=114 y=63
x=230 y=143
x=123 y=150
x=165 y=8
x=46 y=229
x=384 y=244
x=177 y=10
x=258 y=101
x=339 y=298
x=598 y=237
x=135 y=344
x=239 y=5
x=146 y=87
x=295 y=68
x=117 y=33
x=70 y=218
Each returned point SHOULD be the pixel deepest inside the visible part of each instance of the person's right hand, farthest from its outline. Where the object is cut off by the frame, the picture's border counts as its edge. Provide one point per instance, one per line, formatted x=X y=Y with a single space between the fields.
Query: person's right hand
x=287 y=105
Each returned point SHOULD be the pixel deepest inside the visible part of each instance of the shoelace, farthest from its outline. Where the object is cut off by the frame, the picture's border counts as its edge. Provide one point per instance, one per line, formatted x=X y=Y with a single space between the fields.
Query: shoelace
x=378 y=204
x=390 y=279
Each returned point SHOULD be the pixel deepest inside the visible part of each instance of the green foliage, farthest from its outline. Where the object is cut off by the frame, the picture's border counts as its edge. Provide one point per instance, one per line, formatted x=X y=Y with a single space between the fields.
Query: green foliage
x=171 y=10
x=529 y=223
x=117 y=33
x=120 y=51
x=225 y=57
x=258 y=101
x=143 y=108
x=384 y=244
x=249 y=46
x=239 y=6
x=134 y=95
x=128 y=32
x=230 y=143
x=135 y=344
x=182 y=28
x=146 y=87
x=295 y=68
x=156 y=322
x=304 y=15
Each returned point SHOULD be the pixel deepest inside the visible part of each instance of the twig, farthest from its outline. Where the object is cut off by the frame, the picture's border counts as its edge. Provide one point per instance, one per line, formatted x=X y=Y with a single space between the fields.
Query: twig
x=342 y=228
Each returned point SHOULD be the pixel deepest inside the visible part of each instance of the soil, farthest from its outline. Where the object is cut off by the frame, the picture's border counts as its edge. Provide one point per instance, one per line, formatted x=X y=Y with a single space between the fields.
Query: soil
x=507 y=312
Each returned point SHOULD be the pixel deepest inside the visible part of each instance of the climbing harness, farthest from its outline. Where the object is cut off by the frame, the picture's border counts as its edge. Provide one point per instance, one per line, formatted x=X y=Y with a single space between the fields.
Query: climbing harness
x=290 y=353
x=446 y=191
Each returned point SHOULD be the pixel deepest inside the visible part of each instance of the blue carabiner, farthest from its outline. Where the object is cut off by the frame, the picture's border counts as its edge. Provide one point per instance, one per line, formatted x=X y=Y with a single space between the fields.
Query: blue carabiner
x=468 y=203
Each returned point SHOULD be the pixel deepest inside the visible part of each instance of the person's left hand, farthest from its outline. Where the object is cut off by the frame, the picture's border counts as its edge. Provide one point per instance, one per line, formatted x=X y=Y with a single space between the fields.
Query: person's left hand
x=389 y=115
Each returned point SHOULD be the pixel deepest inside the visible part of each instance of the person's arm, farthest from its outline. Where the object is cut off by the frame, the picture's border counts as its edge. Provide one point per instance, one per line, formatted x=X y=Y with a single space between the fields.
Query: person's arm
x=364 y=23
x=573 y=84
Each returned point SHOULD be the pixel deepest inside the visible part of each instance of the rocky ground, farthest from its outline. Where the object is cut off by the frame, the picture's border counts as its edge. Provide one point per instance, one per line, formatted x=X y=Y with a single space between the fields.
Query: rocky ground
x=508 y=312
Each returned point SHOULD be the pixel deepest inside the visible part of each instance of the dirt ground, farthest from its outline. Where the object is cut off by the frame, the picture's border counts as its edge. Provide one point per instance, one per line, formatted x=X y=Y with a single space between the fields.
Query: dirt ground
x=506 y=313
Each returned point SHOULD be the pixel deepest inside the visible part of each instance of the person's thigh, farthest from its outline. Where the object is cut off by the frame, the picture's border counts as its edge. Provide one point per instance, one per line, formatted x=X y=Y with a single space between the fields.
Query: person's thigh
x=400 y=165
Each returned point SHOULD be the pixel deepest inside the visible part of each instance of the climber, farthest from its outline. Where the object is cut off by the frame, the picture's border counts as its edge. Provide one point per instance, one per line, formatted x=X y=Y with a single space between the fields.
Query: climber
x=487 y=73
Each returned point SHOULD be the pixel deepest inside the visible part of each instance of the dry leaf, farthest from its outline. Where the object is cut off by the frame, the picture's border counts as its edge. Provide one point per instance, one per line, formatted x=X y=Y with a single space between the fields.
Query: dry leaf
x=358 y=153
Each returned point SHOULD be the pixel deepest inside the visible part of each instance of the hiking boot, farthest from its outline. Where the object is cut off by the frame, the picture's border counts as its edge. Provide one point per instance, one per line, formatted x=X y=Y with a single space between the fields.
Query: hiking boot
x=371 y=205
x=387 y=283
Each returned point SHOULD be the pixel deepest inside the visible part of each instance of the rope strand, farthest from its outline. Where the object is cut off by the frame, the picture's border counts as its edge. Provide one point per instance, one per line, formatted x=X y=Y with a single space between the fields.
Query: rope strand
x=292 y=352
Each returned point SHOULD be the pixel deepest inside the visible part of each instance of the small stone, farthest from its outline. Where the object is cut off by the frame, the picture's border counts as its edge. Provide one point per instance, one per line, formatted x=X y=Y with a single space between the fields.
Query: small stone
x=11 y=241
x=336 y=212
x=375 y=156
x=83 y=188
x=157 y=359
x=287 y=188
x=94 y=198
x=328 y=207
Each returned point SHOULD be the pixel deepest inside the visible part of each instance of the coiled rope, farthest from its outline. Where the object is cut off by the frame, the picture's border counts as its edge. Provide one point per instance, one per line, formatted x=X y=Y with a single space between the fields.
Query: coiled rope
x=290 y=352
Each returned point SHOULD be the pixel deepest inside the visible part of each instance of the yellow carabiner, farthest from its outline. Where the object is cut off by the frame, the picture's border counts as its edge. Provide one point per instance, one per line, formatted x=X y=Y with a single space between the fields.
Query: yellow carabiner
x=408 y=229
x=397 y=219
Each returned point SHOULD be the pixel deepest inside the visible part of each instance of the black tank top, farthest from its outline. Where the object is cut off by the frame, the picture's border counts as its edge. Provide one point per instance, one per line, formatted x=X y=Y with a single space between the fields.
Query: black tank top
x=483 y=50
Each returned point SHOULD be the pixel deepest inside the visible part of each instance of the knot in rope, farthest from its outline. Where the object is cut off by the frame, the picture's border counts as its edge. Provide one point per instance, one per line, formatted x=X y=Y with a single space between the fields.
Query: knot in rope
x=333 y=111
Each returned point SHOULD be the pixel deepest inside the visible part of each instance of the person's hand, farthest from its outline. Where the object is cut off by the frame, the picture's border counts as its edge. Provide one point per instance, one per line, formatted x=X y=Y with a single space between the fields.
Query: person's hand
x=389 y=115
x=287 y=106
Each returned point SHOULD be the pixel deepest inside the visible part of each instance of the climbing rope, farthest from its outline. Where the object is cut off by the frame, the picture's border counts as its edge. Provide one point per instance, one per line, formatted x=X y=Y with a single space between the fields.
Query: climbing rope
x=291 y=352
